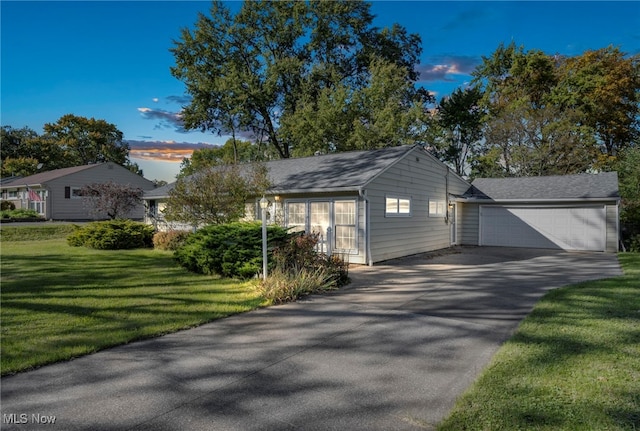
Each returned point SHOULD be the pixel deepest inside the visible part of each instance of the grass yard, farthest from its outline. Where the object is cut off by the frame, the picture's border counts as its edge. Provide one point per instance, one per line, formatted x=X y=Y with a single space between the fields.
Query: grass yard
x=573 y=364
x=59 y=302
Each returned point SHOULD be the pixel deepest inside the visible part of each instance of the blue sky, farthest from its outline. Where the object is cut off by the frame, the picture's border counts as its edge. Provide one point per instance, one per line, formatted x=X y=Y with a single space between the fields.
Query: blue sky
x=111 y=60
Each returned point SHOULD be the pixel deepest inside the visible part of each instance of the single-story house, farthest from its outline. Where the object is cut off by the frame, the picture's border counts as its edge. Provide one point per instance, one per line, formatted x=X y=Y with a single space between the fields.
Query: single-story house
x=376 y=205
x=55 y=194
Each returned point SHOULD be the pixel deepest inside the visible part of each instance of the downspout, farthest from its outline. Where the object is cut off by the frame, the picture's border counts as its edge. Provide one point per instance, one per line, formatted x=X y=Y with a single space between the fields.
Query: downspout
x=446 y=195
x=367 y=234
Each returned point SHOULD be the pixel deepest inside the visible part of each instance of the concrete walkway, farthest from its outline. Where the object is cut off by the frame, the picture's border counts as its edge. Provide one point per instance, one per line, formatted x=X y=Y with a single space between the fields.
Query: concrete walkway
x=392 y=351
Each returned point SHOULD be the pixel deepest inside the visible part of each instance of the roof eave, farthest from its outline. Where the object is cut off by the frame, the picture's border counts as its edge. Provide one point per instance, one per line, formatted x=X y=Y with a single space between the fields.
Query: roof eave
x=546 y=200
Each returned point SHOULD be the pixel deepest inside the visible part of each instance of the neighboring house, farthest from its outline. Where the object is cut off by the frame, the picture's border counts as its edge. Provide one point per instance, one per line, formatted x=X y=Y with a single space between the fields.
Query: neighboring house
x=376 y=205
x=571 y=212
x=54 y=194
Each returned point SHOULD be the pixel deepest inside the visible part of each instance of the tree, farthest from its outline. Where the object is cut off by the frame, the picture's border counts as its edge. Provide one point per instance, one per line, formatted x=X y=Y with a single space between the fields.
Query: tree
x=386 y=111
x=86 y=140
x=233 y=151
x=24 y=152
x=251 y=72
x=604 y=85
x=554 y=115
x=112 y=199
x=215 y=195
x=459 y=118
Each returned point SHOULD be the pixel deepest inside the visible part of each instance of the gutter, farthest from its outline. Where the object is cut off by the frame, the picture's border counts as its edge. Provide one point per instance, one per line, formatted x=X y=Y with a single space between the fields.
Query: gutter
x=367 y=216
x=525 y=201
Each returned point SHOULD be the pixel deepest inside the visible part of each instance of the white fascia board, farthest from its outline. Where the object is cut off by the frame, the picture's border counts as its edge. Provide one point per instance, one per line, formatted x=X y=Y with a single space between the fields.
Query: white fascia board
x=534 y=201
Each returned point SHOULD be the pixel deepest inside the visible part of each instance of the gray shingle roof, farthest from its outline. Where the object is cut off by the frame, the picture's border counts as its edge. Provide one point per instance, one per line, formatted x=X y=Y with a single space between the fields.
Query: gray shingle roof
x=581 y=186
x=326 y=173
x=332 y=172
x=44 y=177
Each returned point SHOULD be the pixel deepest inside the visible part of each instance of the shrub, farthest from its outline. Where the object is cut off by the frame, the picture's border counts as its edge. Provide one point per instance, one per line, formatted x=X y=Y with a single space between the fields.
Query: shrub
x=19 y=213
x=229 y=250
x=634 y=245
x=300 y=270
x=170 y=240
x=112 y=235
x=7 y=206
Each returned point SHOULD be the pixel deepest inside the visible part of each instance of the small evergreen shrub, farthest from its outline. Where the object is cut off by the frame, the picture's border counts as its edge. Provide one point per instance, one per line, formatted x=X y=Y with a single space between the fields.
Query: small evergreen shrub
x=112 y=235
x=634 y=245
x=7 y=206
x=229 y=250
x=170 y=240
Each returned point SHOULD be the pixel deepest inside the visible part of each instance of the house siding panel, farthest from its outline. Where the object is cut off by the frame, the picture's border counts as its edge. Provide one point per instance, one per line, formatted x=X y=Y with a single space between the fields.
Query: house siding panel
x=612 y=228
x=61 y=208
x=419 y=177
x=469 y=224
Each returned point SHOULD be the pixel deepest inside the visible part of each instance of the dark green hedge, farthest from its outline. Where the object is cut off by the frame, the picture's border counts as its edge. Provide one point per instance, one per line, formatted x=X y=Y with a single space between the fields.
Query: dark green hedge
x=229 y=250
x=113 y=235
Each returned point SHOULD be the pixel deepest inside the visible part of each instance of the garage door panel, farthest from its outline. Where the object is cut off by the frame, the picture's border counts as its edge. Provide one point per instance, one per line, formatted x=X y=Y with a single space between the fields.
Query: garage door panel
x=578 y=228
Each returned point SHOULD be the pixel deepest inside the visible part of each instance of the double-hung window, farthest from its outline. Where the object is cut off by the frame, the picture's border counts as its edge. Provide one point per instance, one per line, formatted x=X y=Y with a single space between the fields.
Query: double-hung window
x=297 y=216
x=345 y=224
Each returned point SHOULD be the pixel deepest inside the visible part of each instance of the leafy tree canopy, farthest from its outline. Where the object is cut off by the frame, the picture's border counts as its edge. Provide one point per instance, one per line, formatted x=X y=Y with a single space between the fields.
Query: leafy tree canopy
x=265 y=69
x=233 y=151
x=71 y=141
x=550 y=115
x=215 y=195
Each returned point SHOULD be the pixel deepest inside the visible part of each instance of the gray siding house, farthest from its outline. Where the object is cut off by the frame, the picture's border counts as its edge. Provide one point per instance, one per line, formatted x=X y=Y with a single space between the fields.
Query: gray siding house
x=371 y=206
x=54 y=194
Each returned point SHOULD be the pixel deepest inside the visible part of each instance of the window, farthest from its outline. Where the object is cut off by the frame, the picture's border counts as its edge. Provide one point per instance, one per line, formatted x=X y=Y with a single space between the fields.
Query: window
x=345 y=224
x=317 y=216
x=72 y=192
x=437 y=208
x=399 y=207
x=296 y=213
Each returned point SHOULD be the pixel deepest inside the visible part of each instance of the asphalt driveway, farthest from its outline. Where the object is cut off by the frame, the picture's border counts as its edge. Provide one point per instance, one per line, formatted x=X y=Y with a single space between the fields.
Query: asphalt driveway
x=392 y=351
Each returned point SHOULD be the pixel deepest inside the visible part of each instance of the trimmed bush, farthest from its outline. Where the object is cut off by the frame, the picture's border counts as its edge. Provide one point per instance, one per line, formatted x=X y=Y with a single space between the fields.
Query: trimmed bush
x=20 y=213
x=170 y=240
x=228 y=250
x=7 y=206
x=112 y=235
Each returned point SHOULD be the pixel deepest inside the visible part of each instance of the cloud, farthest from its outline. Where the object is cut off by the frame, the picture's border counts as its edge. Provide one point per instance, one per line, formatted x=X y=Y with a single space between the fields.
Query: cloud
x=440 y=67
x=155 y=99
x=164 y=151
x=166 y=119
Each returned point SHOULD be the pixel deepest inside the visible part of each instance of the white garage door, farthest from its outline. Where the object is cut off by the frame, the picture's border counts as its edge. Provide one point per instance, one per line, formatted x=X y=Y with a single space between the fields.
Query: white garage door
x=580 y=228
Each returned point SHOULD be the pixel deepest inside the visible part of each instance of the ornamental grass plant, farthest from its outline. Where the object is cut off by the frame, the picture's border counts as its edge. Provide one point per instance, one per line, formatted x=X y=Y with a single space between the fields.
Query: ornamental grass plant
x=300 y=270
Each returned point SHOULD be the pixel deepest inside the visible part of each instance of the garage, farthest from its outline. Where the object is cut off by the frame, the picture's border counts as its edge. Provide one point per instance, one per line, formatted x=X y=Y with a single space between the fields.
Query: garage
x=568 y=212
x=567 y=228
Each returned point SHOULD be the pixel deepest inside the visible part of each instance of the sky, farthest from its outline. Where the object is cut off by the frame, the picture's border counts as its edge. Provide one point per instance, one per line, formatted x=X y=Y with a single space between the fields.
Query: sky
x=111 y=60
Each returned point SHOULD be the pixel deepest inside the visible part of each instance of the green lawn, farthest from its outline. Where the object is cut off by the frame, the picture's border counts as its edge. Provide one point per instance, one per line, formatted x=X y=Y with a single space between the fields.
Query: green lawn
x=573 y=364
x=58 y=302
